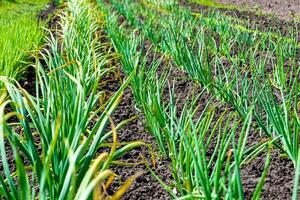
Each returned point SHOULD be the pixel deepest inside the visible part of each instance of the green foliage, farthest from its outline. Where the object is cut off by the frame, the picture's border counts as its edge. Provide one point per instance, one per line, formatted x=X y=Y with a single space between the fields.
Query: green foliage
x=245 y=68
x=53 y=132
x=20 y=33
x=184 y=136
x=252 y=72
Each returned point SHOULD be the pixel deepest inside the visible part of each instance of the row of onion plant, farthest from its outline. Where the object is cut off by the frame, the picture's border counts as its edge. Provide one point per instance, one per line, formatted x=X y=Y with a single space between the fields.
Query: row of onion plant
x=54 y=140
x=184 y=136
x=225 y=58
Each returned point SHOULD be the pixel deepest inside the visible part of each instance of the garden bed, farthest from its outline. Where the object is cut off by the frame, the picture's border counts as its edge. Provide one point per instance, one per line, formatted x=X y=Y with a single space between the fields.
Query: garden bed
x=181 y=100
x=288 y=9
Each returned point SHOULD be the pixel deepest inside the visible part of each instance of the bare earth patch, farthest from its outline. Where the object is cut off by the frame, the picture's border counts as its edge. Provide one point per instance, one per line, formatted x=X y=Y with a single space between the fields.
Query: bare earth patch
x=287 y=9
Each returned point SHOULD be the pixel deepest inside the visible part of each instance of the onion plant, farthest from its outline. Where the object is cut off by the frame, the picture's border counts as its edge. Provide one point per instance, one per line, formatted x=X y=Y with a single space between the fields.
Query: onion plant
x=57 y=136
x=185 y=137
x=279 y=100
x=213 y=43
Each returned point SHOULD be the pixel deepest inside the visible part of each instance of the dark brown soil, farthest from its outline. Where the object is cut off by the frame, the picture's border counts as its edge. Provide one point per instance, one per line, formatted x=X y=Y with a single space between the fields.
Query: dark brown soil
x=279 y=181
x=146 y=186
x=287 y=9
x=48 y=12
x=27 y=80
x=251 y=19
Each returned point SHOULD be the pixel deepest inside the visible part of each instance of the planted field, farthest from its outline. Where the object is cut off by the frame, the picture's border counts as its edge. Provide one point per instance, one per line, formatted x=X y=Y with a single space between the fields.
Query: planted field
x=164 y=99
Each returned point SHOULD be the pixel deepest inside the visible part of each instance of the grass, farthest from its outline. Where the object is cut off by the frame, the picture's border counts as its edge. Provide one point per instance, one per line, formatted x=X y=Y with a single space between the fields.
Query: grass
x=213 y=4
x=20 y=32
